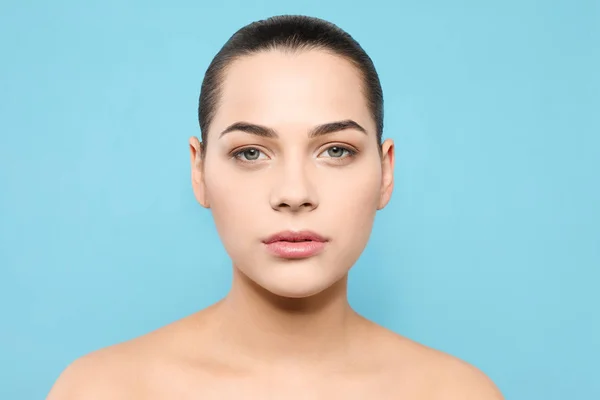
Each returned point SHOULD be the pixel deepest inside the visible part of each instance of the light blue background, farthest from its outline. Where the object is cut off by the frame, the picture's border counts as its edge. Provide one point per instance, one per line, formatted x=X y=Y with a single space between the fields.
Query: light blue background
x=489 y=250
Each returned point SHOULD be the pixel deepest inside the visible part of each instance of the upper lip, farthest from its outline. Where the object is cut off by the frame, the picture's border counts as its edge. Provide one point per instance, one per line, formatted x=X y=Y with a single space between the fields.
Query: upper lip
x=295 y=236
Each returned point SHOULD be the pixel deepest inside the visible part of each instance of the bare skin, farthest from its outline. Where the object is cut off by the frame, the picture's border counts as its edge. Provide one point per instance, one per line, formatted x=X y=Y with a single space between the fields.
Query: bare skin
x=285 y=330
x=193 y=358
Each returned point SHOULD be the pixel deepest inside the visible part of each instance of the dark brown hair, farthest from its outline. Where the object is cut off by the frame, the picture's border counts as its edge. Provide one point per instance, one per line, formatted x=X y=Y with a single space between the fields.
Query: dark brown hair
x=288 y=33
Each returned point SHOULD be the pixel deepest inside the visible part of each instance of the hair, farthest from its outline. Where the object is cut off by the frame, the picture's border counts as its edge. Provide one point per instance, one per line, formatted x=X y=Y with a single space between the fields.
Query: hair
x=288 y=33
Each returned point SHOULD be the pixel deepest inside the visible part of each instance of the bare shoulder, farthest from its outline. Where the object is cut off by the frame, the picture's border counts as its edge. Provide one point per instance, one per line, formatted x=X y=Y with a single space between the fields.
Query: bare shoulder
x=433 y=374
x=458 y=379
x=122 y=371
x=101 y=374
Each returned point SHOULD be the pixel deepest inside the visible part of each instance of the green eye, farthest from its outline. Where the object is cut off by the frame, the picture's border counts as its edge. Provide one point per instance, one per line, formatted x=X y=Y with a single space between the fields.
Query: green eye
x=248 y=154
x=336 y=151
x=339 y=152
x=251 y=154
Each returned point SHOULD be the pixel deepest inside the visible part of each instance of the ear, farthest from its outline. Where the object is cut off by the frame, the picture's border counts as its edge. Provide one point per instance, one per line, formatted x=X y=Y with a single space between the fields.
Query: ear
x=387 y=172
x=197 y=164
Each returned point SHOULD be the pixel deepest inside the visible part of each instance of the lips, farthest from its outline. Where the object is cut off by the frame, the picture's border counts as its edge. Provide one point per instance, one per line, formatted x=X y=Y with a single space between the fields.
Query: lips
x=293 y=245
x=290 y=236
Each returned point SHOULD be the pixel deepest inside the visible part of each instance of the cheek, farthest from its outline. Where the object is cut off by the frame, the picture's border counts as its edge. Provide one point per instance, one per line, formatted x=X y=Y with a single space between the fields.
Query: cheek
x=350 y=206
x=356 y=192
x=227 y=189
x=234 y=203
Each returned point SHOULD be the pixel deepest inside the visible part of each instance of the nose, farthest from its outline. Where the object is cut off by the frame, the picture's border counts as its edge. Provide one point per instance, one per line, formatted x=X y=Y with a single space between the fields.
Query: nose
x=293 y=190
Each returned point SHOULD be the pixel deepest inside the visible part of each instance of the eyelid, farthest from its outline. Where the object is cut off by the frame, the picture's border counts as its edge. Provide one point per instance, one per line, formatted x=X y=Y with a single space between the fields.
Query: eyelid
x=234 y=154
x=350 y=149
x=240 y=149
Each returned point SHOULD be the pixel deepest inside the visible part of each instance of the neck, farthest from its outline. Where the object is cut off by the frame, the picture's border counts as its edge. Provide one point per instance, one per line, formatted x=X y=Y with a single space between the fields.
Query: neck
x=263 y=326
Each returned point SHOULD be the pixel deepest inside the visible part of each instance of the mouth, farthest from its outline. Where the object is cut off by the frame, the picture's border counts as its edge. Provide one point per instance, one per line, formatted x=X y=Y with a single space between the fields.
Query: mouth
x=295 y=237
x=294 y=245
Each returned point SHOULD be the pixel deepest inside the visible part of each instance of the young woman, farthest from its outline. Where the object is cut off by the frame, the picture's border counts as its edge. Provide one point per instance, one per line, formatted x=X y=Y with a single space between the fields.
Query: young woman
x=293 y=168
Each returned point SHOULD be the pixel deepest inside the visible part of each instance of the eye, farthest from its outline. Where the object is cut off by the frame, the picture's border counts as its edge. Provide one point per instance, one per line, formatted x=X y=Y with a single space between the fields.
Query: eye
x=248 y=154
x=338 y=152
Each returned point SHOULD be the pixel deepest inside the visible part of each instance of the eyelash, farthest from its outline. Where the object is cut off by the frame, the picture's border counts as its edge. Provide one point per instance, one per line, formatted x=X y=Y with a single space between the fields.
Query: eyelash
x=236 y=155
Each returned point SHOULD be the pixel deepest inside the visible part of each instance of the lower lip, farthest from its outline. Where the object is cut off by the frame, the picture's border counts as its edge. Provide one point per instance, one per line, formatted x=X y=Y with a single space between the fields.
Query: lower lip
x=295 y=249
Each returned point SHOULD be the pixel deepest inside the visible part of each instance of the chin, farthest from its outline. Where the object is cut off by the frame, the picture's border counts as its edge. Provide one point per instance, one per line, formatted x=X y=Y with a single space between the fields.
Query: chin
x=297 y=283
x=295 y=292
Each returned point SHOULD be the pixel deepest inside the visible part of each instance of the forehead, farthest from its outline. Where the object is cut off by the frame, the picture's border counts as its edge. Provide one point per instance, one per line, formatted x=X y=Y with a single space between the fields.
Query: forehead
x=285 y=89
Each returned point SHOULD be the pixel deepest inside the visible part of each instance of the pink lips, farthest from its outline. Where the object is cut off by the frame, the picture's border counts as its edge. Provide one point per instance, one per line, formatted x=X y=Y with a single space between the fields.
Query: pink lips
x=291 y=245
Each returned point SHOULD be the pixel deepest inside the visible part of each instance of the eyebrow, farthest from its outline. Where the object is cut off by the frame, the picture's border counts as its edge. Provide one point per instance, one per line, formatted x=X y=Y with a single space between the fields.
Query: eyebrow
x=319 y=130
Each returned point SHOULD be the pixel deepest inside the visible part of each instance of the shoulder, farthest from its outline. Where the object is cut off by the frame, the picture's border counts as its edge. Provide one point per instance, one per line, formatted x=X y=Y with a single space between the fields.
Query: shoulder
x=457 y=379
x=101 y=374
x=129 y=369
x=433 y=374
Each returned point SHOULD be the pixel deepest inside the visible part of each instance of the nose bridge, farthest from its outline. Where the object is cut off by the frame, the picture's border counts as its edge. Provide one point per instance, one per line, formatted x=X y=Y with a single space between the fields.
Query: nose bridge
x=294 y=189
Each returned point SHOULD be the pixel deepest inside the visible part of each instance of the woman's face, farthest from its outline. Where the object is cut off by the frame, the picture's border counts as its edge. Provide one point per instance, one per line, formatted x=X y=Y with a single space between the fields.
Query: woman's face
x=274 y=174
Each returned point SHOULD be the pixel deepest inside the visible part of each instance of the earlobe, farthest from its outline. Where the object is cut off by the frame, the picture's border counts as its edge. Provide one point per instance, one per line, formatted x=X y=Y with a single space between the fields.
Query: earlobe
x=197 y=166
x=387 y=173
